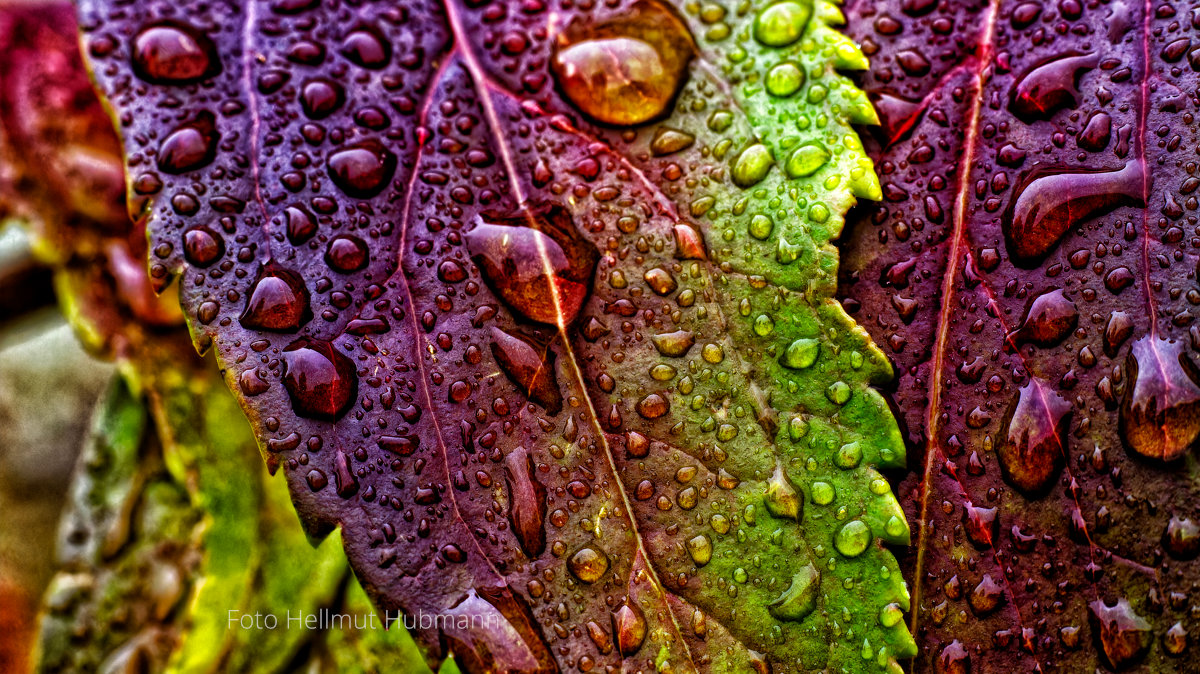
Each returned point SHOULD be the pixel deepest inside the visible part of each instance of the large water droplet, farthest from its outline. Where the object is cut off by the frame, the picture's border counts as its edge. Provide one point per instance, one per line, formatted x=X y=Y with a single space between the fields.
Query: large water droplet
x=529 y=366
x=527 y=502
x=1047 y=204
x=800 y=598
x=172 y=53
x=1181 y=538
x=1050 y=319
x=782 y=23
x=320 y=380
x=278 y=302
x=1160 y=415
x=1123 y=636
x=515 y=253
x=853 y=538
x=362 y=171
x=629 y=628
x=364 y=47
x=1033 y=438
x=190 y=146
x=320 y=98
x=1050 y=86
x=628 y=70
x=202 y=246
x=588 y=565
x=347 y=254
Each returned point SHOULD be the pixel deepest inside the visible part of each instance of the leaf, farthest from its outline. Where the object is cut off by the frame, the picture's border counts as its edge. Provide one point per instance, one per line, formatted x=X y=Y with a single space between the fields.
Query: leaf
x=167 y=538
x=62 y=179
x=537 y=306
x=1031 y=269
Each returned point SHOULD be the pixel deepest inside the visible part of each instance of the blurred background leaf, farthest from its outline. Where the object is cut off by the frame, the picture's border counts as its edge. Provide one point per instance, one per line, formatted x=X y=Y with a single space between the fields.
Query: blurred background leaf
x=170 y=521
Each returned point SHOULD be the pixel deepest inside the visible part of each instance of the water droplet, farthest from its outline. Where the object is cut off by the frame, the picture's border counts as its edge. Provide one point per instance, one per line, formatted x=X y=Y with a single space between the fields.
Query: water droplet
x=629 y=627
x=653 y=406
x=1047 y=204
x=529 y=366
x=782 y=498
x=364 y=48
x=800 y=598
x=782 y=24
x=191 y=146
x=625 y=71
x=986 y=597
x=1181 y=538
x=362 y=171
x=320 y=380
x=1160 y=415
x=588 y=565
x=527 y=502
x=674 y=344
x=1050 y=319
x=669 y=141
x=805 y=160
x=509 y=253
x=172 y=53
x=853 y=538
x=1050 y=86
x=1033 y=438
x=784 y=79
x=202 y=246
x=800 y=354
x=752 y=165
x=700 y=549
x=278 y=302
x=301 y=225
x=1123 y=636
x=1096 y=133
x=954 y=659
x=347 y=254
x=321 y=98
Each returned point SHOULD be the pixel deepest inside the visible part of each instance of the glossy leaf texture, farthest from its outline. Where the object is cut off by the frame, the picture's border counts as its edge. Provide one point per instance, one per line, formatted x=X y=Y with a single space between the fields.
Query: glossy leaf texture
x=535 y=303
x=1032 y=270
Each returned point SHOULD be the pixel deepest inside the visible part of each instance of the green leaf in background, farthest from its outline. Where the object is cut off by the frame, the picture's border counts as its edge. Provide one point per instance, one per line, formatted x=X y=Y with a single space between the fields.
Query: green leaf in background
x=168 y=531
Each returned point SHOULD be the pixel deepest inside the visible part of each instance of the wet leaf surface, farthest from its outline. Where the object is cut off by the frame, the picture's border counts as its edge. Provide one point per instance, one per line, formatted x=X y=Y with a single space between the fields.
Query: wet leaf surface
x=1031 y=270
x=536 y=304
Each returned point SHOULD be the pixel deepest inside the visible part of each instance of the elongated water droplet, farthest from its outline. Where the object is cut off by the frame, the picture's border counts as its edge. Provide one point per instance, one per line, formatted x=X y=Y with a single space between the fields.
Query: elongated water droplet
x=1047 y=204
x=1160 y=415
x=1033 y=438
x=800 y=598
x=527 y=502
x=530 y=367
x=1050 y=86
